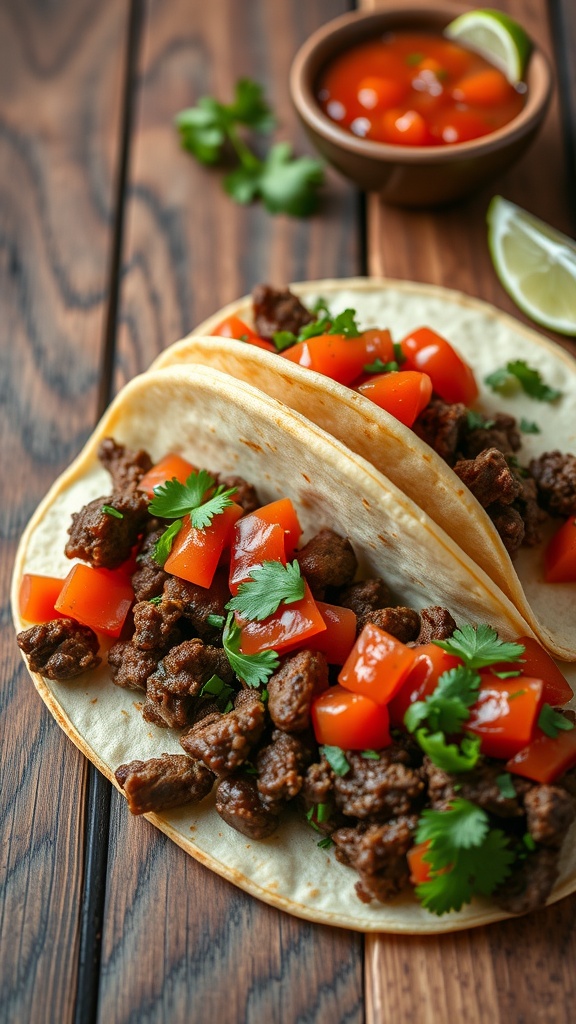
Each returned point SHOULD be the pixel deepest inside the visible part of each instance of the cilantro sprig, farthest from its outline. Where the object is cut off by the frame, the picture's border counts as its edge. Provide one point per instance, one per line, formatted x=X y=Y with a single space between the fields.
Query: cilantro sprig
x=344 y=323
x=252 y=669
x=480 y=646
x=197 y=497
x=270 y=585
x=336 y=759
x=465 y=855
x=284 y=183
x=552 y=722
x=518 y=375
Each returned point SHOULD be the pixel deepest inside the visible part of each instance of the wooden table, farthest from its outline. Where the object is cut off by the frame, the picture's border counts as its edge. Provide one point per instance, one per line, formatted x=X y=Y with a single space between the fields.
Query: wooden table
x=114 y=243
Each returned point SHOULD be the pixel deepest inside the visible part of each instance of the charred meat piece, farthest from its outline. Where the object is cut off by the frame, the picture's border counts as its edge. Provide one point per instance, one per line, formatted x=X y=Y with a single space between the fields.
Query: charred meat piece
x=245 y=493
x=291 y=690
x=163 y=782
x=489 y=477
x=379 y=789
x=100 y=537
x=378 y=853
x=550 y=810
x=277 y=309
x=149 y=579
x=185 y=669
x=441 y=426
x=502 y=434
x=154 y=626
x=509 y=524
x=555 y=476
x=281 y=766
x=532 y=515
x=479 y=786
x=225 y=744
x=130 y=667
x=60 y=649
x=126 y=468
x=402 y=623
x=530 y=884
x=365 y=596
x=327 y=560
x=196 y=604
x=318 y=783
x=436 y=623
x=238 y=803
x=164 y=709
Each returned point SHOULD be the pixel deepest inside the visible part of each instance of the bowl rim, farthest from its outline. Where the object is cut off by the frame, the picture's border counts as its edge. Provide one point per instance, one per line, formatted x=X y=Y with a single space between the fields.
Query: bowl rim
x=302 y=75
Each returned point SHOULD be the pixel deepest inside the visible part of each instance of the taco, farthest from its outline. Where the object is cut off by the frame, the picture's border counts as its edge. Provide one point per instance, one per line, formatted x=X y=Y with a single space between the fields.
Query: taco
x=487 y=339
x=207 y=419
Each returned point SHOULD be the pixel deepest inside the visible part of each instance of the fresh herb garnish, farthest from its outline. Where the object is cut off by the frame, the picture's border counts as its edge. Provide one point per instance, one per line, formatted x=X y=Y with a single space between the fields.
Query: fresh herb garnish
x=370 y=755
x=284 y=183
x=551 y=722
x=475 y=421
x=318 y=814
x=252 y=669
x=336 y=759
x=320 y=306
x=284 y=340
x=218 y=690
x=379 y=367
x=398 y=353
x=326 y=843
x=155 y=600
x=529 y=427
x=197 y=497
x=529 y=842
x=479 y=646
x=517 y=374
x=466 y=856
x=163 y=545
x=446 y=708
x=270 y=585
x=449 y=756
x=109 y=510
x=217 y=621
x=505 y=785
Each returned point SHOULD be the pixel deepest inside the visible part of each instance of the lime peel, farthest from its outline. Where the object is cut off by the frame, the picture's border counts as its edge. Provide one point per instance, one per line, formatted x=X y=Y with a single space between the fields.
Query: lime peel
x=497 y=37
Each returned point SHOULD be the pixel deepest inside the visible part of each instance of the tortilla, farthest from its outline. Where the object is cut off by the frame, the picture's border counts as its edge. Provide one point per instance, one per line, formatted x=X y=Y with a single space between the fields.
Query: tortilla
x=487 y=339
x=229 y=426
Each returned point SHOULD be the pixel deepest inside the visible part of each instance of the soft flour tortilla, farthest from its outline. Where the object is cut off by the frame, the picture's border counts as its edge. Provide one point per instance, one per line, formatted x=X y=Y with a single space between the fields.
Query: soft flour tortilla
x=228 y=426
x=487 y=339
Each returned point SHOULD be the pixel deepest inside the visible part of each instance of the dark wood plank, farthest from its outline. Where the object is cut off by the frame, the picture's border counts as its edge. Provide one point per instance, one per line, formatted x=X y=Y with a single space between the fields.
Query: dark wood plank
x=60 y=78
x=180 y=944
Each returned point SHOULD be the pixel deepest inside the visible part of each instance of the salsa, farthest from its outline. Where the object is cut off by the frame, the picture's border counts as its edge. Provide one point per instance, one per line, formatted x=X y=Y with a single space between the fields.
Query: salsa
x=417 y=89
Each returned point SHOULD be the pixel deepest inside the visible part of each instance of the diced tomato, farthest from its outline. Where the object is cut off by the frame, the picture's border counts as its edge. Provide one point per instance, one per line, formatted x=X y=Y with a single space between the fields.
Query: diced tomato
x=537 y=662
x=100 y=598
x=253 y=543
x=422 y=680
x=404 y=394
x=337 y=640
x=375 y=93
x=420 y=869
x=560 y=555
x=488 y=88
x=234 y=327
x=170 y=467
x=290 y=622
x=195 y=553
x=545 y=759
x=505 y=714
x=343 y=359
x=377 y=665
x=401 y=127
x=452 y=378
x=37 y=597
x=350 y=721
x=459 y=125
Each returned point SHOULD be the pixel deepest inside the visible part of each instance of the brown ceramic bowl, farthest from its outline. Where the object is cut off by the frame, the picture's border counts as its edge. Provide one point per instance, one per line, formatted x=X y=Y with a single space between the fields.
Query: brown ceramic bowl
x=406 y=175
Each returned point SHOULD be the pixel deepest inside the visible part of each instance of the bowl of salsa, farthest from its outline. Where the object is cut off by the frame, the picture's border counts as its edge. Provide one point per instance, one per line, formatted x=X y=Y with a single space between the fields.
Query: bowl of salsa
x=401 y=109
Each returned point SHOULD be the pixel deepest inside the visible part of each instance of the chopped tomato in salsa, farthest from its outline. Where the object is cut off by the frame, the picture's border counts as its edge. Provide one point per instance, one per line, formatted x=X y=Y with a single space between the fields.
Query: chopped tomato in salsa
x=99 y=598
x=38 y=596
x=350 y=720
x=196 y=553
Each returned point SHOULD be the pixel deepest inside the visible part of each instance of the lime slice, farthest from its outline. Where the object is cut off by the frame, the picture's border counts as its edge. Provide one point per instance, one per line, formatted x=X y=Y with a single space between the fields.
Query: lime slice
x=496 y=36
x=535 y=263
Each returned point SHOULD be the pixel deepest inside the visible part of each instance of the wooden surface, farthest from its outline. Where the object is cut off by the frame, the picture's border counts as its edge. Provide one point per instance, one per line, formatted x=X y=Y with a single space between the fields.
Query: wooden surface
x=113 y=243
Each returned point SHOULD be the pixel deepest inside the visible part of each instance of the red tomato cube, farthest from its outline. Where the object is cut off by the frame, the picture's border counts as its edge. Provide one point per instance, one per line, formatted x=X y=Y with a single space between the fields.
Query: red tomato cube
x=100 y=598
x=350 y=721
x=505 y=714
x=196 y=553
x=377 y=665
x=38 y=596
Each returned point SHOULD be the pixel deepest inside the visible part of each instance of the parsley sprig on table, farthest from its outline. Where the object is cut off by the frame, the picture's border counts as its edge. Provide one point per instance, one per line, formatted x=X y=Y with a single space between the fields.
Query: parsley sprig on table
x=284 y=183
x=466 y=856
x=270 y=585
x=197 y=497
x=252 y=669
x=517 y=374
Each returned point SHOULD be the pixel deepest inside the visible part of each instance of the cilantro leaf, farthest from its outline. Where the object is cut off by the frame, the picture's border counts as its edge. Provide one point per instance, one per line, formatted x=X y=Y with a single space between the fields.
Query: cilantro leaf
x=109 y=510
x=370 y=755
x=314 y=328
x=290 y=184
x=505 y=785
x=449 y=756
x=517 y=374
x=336 y=759
x=551 y=722
x=270 y=585
x=250 y=106
x=218 y=690
x=379 y=367
x=173 y=499
x=320 y=306
x=155 y=600
x=163 y=545
x=202 y=516
x=475 y=421
x=283 y=340
x=479 y=646
x=252 y=669
x=326 y=843
x=203 y=129
x=217 y=621
x=446 y=708
x=345 y=323
x=529 y=427
x=398 y=353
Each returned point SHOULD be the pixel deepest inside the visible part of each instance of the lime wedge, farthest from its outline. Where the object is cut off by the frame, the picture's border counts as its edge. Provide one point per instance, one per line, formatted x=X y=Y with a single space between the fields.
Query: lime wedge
x=535 y=264
x=496 y=36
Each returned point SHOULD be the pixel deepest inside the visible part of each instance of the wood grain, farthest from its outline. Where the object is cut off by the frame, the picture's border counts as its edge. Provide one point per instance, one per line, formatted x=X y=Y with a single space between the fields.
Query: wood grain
x=60 y=74
x=179 y=943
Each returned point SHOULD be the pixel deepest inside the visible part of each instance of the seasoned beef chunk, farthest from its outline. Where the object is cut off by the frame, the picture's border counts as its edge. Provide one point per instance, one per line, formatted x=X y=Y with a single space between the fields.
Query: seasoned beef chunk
x=378 y=853
x=501 y=434
x=281 y=766
x=318 y=783
x=126 y=468
x=225 y=744
x=277 y=309
x=291 y=690
x=196 y=604
x=365 y=596
x=532 y=515
x=489 y=477
x=102 y=539
x=479 y=786
x=154 y=626
x=238 y=803
x=530 y=884
x=550 y=810
x=164 y=709
x=509 y=524
x=60 y=649
x=403 y=623
x=378 y=789
x=555 y=476
x=436 y=623
x=246 y=494
x=185 y=669
x=327 y=560
x=131 y=667
x=149 y=578
x=163 y=782
x=441 y=426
